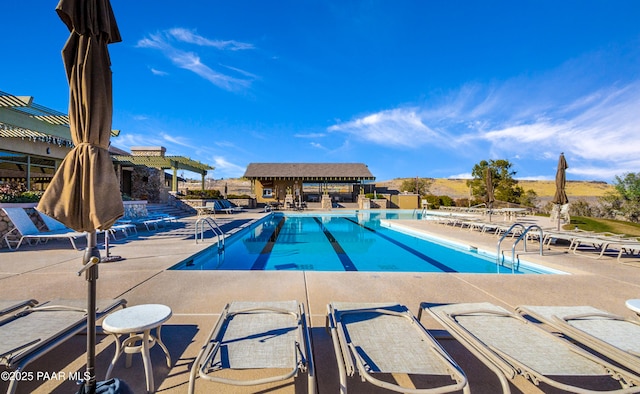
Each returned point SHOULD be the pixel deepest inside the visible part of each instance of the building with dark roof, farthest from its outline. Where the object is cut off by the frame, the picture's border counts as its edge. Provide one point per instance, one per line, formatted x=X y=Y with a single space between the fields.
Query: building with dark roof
x=271 y=182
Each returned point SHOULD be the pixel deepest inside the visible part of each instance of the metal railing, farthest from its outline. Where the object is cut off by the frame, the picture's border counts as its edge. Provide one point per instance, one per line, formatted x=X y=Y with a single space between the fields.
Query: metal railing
x=211 y=223
x=523 y=236
x=506 y=233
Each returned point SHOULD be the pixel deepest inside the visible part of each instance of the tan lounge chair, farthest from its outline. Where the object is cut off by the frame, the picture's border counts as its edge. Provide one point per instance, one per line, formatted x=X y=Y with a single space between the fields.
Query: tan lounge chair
x=612 y=336
x=386 y=339
x=35 y=330
x=269 y=336
x=511 y=346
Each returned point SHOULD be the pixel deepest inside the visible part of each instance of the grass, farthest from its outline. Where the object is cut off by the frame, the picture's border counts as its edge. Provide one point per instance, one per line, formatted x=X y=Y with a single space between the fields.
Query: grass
x=604 y=225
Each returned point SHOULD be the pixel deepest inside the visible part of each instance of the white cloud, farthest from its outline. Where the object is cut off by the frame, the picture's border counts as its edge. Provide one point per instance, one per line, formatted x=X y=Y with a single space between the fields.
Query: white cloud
x=317 y=145
x=190 y=36
x=310 y=135
x=401 y=127
x=226 y=169
x=158 y=72
x=168 y=42
x=466 y=175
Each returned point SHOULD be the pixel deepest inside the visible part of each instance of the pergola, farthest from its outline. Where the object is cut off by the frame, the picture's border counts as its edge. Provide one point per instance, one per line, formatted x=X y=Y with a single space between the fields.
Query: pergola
x=174 y=163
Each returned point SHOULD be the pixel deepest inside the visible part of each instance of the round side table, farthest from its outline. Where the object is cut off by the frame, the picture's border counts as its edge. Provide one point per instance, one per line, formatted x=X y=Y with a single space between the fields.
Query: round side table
x=634 y=305
x=138 y=321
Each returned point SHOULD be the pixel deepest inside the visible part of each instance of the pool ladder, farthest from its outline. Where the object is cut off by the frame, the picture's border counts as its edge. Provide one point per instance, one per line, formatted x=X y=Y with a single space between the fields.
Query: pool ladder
x=523 y=236
x=423 y=214
x=213 y=225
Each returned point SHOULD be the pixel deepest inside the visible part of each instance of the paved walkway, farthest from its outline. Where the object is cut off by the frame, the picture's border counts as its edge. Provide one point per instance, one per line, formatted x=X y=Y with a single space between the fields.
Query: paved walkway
x=196 y=298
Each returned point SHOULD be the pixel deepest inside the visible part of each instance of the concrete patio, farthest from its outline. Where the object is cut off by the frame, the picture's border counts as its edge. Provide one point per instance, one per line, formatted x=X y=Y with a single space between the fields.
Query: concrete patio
x=47 y=272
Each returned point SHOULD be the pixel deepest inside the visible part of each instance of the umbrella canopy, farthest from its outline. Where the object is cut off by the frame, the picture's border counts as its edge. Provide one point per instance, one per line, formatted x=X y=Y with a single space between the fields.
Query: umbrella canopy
x=560 y=198
x=84 y=194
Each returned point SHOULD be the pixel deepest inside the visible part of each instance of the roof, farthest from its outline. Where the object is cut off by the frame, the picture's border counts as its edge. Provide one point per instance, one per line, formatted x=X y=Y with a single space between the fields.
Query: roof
x=163 y=162
x=20 y=117
x=309 y=171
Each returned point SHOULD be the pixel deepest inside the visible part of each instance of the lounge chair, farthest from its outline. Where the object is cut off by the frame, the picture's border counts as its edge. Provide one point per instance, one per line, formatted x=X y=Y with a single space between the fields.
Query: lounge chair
x=220 y=207
x=54 y=225
x=226 y=204
x=26 y=229
x=612 y=336
x=256 y=335
x=510 y=346
x=151 y=222
x=387 y=339
x=35 y=330
x=604 y=243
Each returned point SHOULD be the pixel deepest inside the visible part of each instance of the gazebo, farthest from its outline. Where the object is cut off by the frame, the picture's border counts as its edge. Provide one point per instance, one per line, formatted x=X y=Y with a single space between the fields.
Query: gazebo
x=271 y=182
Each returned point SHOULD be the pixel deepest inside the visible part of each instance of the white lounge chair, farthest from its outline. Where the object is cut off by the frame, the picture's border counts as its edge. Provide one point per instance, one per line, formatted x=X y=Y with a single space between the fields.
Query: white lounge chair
x=256 y=335
x=35 y=330
x=511 y=346
x=378 y=339
x=612 y=336
x=24 y=228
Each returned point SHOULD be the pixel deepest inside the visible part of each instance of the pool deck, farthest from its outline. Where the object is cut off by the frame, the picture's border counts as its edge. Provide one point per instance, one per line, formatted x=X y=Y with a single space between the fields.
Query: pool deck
x=47 y=272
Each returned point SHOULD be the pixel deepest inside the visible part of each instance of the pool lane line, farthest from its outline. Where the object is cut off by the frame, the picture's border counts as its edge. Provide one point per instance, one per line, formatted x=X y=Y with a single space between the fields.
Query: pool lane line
x=435 y=263
x=342 y=255
x=263 y=257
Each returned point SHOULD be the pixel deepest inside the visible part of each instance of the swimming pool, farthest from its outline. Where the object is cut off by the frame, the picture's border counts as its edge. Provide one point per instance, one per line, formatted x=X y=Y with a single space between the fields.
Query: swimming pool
x=344 y=241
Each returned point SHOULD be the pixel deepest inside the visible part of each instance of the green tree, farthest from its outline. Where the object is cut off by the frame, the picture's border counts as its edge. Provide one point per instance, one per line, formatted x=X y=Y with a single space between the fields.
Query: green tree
x=505 y=187
x=421 y=185
x=628 y=187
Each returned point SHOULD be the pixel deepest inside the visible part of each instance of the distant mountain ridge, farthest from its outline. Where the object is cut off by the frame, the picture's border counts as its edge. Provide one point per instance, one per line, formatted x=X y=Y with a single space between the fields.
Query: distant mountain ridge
x=457 y=188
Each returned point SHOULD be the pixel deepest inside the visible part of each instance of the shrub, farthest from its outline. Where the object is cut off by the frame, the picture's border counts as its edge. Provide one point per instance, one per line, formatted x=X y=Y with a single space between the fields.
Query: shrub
x=16 y=192
x=203 y=194
x=234 y=196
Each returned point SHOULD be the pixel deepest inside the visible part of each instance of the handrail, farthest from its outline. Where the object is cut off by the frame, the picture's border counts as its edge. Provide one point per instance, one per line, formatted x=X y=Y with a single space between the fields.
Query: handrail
x=423 y=213
x=503 y=237
x=523 y=236
x=213 y=225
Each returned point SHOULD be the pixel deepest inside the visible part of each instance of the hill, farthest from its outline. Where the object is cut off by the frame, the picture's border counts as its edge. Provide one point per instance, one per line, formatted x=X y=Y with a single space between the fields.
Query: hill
x=457 y=188
x=454 y=188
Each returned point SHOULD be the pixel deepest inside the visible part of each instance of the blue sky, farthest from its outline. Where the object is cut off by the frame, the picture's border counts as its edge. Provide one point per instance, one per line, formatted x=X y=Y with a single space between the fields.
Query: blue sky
x=410 y=88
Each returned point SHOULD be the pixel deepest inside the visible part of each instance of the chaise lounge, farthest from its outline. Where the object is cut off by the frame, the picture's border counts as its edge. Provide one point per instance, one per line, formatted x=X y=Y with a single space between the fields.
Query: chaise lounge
x=25 y=229
x=511 y=346
x=268 y=336
x=386 y=340
x=34 y=330
x=608 y=334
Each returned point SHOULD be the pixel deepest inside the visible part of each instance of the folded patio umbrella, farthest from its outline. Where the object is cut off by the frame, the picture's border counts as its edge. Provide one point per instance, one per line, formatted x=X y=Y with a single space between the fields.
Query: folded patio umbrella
x=560 y=198
x=84 y=194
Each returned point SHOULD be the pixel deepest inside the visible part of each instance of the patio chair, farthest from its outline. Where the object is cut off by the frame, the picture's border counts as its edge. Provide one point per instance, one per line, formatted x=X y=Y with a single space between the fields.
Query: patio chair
x=270 y=336
x=26 y=229
x=612 y=336
x=35 y=330
x=219 y=207
x=226 y=204
x=56 y=226
x=511 y=346
x=383 y=339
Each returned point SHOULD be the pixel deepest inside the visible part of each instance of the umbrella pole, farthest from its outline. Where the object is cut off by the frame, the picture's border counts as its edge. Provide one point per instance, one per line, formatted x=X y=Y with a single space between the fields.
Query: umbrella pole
x=90 y=261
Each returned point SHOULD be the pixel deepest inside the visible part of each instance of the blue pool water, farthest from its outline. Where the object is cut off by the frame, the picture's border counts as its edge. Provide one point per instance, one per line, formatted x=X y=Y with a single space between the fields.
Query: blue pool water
x=348 y=241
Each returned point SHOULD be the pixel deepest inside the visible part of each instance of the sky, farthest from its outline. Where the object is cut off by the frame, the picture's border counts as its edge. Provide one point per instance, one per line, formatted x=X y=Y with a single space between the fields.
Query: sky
x=410 y=88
